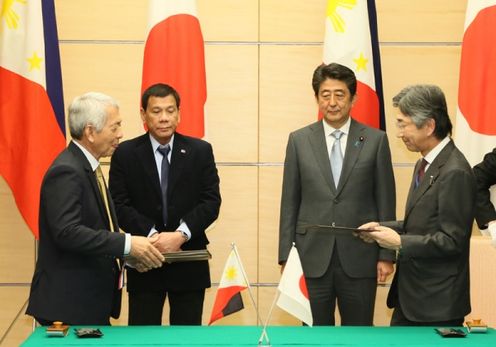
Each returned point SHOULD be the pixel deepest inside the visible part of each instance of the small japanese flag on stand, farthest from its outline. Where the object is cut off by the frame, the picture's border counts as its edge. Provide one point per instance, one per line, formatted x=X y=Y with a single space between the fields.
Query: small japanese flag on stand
x=293 y=291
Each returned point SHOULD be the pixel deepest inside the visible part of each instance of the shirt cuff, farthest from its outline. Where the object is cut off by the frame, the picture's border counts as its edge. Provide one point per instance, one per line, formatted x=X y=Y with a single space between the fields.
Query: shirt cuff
x=127 y=244
x=152 y=232
x=492 y=230
x=183 y=227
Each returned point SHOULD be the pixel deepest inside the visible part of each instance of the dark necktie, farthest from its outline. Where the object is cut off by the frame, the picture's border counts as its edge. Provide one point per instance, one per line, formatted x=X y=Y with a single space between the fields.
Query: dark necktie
x=164 y=178
x=420 y=172
x=336 y=156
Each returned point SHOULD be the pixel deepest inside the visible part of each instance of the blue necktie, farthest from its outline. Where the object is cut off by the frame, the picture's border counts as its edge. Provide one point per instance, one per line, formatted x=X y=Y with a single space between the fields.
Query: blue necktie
x=164 y=178
x=336 y=156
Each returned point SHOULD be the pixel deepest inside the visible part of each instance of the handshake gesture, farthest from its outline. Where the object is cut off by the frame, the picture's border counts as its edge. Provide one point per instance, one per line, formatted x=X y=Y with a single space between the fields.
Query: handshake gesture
x=146 y=253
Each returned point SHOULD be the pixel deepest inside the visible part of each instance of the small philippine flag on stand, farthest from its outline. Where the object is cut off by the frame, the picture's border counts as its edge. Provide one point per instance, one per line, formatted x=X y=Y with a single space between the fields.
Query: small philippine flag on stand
x=228 y=299
x=293 y=296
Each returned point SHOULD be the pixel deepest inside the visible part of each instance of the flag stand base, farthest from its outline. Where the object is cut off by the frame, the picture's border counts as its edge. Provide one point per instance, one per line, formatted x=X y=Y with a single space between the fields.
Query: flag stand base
x=264 y=341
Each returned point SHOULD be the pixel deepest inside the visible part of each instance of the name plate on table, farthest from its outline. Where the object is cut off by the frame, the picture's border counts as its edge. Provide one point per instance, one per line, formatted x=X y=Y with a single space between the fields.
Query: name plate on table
x=195 y=255
x=476 y=326
x=57 y=329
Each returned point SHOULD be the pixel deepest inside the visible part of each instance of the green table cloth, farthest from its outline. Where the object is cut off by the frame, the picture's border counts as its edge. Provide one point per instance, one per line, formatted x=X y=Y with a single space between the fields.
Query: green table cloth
x=249 y=335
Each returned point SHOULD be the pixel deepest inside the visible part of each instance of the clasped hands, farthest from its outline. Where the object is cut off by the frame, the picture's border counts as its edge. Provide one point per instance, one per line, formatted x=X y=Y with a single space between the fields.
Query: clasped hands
x=146 y=252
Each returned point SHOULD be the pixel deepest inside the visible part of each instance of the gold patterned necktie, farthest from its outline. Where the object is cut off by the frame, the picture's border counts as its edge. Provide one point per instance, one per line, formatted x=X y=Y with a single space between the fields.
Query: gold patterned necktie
x=103 y=193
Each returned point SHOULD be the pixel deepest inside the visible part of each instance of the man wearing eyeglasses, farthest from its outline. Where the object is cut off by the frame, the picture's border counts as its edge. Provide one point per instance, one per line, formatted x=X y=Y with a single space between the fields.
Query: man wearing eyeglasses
x=431 y=283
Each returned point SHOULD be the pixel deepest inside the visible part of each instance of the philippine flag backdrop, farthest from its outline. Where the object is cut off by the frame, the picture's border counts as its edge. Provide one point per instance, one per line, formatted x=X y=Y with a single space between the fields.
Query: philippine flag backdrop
x=32 y=128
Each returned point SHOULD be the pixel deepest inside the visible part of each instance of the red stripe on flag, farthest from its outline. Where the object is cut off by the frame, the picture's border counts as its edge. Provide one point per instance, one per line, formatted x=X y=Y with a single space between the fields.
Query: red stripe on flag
x=224 y=295
x=477 y=88
x=366 y=108
x=30 y=139
x=174 y=54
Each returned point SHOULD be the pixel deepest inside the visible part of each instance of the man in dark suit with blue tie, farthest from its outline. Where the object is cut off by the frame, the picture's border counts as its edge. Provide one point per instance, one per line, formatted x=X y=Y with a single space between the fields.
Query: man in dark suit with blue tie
x=431 y=286
x=76 y=279
x=337 y=172
x=166 y=185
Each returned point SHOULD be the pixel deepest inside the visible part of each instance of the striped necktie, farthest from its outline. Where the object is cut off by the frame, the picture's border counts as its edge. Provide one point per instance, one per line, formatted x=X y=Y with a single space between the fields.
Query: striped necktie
x=164 y=178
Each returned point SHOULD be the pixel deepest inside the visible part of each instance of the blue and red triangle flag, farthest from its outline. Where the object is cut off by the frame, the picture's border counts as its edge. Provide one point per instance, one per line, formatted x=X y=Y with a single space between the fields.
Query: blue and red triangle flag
x=32 y=128
x=228 y=298
x=351 y=40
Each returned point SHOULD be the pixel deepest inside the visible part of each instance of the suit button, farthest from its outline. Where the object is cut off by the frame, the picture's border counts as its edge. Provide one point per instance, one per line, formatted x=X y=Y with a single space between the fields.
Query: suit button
x=336 y=201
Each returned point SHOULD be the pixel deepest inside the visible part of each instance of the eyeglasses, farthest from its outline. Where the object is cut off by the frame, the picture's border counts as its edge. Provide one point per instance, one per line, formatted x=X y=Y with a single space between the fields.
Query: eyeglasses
x=400 y=125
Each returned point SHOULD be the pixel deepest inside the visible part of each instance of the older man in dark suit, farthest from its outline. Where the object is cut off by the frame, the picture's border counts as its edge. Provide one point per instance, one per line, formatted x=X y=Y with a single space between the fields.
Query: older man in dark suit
x=76 y=279
x=166 y=184
x=337 y=172
x=431 y=285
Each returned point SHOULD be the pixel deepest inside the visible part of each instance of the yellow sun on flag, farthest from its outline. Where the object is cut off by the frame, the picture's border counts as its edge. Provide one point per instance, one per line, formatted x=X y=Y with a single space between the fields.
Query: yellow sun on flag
x=34 y=62
x=337 y=21
x=361 y=63
x=231 y=273
x=8 y=14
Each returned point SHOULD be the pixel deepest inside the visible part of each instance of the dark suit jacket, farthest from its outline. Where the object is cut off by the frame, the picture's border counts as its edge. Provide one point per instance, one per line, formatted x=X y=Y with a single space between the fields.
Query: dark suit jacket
x=366 y=192
x=192 y=195
x=432 y=277
x=485 y=173
x=75 y=279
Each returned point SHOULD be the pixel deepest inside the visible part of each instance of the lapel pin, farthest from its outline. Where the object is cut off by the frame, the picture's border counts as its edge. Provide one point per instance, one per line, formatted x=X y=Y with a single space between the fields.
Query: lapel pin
x=183 y=151
x=360 y=140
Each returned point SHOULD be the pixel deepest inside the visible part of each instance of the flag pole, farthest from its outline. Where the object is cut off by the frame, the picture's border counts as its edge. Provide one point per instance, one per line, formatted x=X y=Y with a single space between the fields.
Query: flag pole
x=35 y=323
x=264 y=330
x=235 y=249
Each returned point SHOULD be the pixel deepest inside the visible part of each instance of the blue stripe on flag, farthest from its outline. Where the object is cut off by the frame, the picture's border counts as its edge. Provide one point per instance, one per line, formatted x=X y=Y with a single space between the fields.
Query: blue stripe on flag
x=377 y=61
x=52 y=60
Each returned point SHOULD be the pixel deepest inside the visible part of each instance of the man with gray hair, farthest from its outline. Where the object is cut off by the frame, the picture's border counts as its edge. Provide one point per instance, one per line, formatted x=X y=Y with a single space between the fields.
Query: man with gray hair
x=431 y=284
x=77 y=274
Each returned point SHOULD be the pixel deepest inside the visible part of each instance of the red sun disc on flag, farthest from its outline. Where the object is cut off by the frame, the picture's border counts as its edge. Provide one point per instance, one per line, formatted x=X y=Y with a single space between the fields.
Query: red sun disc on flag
x=477 y=83
x=303 y=286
